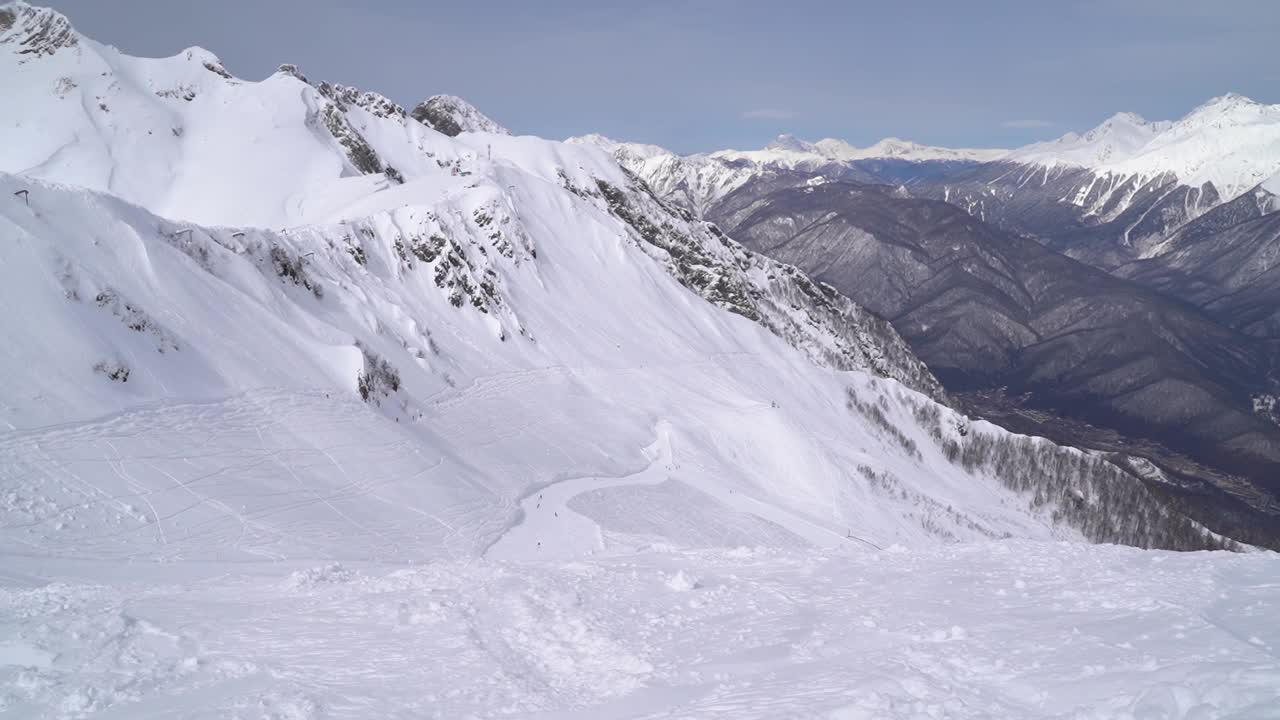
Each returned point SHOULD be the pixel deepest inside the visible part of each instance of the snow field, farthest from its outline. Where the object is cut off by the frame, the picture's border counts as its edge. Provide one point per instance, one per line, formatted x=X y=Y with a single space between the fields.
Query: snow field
x=1007 y=629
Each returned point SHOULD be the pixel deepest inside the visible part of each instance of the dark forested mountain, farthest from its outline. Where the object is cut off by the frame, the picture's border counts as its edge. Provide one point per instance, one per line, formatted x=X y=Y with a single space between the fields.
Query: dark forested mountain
x=1227 y=261
x=986 y=309
x=1116 y=193
x=1118 y=288
x=1025 y=335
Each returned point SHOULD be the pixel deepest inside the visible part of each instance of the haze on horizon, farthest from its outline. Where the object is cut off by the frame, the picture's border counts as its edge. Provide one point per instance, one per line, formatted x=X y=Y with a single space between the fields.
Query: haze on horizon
x=696 y=76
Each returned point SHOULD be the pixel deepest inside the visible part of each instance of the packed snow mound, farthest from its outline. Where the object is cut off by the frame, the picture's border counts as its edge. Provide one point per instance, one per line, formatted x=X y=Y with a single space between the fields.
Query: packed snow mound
x=452 y=116
x=1230 y=142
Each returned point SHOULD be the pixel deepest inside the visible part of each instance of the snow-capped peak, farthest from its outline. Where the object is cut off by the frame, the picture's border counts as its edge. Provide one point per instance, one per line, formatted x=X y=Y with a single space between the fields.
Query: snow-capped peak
x=35 y=31
x=1116 y=138
x=452 y=116
x=896 y=148
x=631 y=151
x=790 y=143
x=1231 y=141
x=790 y=151
x=1225 y=104
x=700 y=179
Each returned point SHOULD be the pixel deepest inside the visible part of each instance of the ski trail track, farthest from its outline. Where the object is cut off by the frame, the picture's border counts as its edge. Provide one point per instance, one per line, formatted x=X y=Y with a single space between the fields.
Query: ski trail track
x=546 y=527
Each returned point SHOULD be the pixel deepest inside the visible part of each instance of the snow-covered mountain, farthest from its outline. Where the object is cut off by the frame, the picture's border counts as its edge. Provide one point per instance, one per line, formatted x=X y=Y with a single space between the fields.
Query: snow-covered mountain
x=1118 y=138
x=302 y=393
x=191 y=236
x=700 y=180
x=452 y=116
x=1116 y=193
x=967 y=295
x=1134 y=180
x=789 y=151
x=1229 y=142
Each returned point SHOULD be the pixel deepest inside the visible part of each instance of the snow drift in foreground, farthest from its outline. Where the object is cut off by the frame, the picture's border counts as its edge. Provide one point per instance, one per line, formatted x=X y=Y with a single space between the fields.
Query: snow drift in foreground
x=312 y=410
x=1008 y=630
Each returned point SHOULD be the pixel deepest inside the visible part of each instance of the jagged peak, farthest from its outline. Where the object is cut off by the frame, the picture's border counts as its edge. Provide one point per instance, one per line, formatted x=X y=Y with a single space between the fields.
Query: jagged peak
x=1123 y=119
x=1123 y=124
x=1228 y=100
x=346 y=96
x=293 y=71
x=207 y=58
x=1228 y=109
x=452 y=116
x=35 y=30
x=1228 y=141
x=1115 y=138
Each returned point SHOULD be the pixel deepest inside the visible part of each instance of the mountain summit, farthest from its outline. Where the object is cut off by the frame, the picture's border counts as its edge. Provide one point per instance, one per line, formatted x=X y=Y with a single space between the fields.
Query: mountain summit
x=452 y=115
x=1230 y=142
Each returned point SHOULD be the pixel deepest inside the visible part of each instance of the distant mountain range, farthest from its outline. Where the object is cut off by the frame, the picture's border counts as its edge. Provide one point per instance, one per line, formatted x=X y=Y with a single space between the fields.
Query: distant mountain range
x=1169 y=345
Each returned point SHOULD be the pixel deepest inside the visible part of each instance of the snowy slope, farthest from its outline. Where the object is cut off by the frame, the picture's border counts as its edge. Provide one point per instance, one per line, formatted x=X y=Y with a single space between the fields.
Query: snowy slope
x=511 y=394
x=968 y=632
x=451 y=282
x=156 y=350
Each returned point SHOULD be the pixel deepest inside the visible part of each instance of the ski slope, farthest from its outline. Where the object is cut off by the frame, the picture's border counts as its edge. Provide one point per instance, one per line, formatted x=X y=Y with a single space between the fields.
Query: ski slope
x=311 y=410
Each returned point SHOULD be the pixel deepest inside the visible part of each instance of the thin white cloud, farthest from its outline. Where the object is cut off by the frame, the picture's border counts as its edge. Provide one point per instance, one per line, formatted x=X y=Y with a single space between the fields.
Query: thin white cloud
x=768 y=114
x=1025 y=124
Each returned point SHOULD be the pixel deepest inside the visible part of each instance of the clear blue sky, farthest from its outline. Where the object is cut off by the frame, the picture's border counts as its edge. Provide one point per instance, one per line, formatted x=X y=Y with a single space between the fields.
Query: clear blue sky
x=705 y=75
